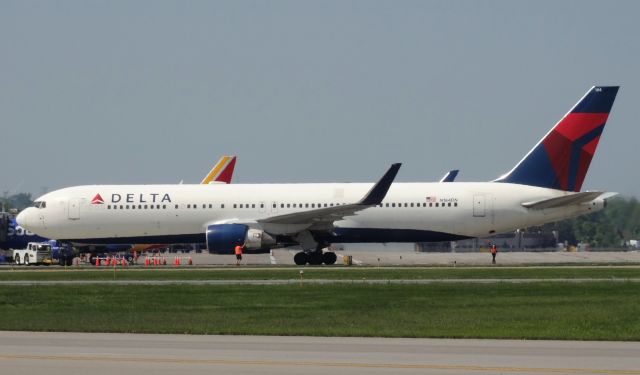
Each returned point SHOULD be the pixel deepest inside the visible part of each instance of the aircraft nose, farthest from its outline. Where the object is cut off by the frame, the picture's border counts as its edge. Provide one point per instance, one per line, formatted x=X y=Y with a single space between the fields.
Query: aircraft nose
x=23 y=218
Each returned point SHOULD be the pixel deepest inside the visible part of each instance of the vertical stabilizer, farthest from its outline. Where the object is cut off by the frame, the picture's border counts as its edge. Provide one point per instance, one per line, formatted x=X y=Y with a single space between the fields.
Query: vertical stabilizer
x=561 y=159
x=222 y=172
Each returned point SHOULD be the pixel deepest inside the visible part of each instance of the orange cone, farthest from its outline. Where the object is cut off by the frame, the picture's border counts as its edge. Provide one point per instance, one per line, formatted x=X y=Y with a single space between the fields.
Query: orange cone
x=123 y=263
x=97 y=262
x=177 y=261
x=190 y=261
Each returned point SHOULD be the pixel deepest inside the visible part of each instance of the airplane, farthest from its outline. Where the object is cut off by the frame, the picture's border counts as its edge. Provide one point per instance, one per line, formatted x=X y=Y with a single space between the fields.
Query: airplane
x=543 y=187
x=13 y=236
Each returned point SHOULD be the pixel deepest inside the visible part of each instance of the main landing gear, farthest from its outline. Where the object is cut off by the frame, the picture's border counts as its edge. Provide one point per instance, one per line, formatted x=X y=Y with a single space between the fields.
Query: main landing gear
x=315 y=258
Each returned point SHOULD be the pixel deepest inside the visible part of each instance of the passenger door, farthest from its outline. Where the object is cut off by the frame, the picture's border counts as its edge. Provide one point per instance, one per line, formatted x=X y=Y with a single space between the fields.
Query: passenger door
x=74 y=209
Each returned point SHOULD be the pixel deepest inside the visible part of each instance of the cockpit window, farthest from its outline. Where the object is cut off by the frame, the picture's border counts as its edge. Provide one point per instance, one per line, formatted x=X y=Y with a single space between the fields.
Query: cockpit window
x=40 y=204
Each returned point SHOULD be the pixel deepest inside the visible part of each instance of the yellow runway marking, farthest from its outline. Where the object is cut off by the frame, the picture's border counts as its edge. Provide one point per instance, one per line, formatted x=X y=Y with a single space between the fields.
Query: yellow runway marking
x=228 y=362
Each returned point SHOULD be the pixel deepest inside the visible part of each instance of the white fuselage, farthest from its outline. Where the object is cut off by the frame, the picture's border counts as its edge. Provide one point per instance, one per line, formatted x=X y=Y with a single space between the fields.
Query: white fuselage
x=143 y=213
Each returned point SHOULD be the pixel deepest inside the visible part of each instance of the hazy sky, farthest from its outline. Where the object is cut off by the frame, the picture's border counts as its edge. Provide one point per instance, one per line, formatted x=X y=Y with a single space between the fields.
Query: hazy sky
x=118 y=92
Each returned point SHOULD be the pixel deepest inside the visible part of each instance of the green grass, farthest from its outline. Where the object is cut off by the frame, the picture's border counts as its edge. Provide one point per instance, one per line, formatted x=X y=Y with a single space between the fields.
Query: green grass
x=549 y=310
x=352 y=273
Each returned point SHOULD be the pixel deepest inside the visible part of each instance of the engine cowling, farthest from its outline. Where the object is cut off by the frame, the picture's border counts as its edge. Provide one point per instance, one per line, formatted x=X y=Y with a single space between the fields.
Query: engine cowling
x=223 y=238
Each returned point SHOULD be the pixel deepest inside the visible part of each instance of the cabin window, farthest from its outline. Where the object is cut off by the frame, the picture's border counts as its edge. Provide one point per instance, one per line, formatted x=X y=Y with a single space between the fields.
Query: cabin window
x=455 y=204
x=281 y=205
x=222 y=205
x=145 y=206
x=188 y=206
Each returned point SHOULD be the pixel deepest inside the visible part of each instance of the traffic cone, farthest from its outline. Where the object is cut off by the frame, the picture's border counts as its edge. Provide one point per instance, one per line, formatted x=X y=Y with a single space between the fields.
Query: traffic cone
x=177 y=261
x=123 y=263
x=190 y=261
x=97 y=262
x=146 y=261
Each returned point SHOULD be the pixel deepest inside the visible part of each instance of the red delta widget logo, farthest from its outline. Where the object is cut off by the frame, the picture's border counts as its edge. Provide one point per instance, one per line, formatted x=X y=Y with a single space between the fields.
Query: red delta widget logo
x=97 y=200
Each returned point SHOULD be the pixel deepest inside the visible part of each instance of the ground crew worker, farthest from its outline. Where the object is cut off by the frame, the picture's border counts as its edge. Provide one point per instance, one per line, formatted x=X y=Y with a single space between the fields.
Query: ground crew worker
x=238 y=252
x=494 y=251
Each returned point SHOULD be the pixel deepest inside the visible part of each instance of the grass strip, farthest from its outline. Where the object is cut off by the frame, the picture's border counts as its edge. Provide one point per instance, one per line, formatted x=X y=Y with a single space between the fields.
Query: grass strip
x=593 y=311
x=354 y=273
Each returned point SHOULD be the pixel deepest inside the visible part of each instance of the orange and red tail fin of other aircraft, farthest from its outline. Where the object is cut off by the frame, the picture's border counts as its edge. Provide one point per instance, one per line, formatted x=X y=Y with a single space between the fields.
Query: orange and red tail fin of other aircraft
x=221 y=172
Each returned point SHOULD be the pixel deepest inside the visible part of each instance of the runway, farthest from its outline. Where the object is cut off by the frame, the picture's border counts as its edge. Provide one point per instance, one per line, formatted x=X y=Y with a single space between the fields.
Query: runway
x=97 y=353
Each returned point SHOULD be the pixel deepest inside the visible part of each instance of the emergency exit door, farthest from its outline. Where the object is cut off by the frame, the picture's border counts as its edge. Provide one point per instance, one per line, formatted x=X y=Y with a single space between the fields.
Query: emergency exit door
x=479 y=205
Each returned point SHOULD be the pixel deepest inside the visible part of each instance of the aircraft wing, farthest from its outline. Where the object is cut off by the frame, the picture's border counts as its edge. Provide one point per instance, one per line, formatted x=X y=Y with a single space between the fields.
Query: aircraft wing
x=564 y=200
x=327 y=215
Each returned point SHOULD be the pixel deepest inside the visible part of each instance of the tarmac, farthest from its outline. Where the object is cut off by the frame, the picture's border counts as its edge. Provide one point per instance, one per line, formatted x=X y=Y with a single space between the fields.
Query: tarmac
x=400 y=257
x=142 y=354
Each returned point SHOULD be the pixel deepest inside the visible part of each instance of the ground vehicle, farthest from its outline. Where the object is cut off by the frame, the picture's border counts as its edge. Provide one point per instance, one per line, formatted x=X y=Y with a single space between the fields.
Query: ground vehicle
x=35 y=253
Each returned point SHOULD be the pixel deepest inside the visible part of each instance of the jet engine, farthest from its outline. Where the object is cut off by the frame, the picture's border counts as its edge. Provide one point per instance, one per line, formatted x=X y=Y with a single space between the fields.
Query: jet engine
x=223 y=238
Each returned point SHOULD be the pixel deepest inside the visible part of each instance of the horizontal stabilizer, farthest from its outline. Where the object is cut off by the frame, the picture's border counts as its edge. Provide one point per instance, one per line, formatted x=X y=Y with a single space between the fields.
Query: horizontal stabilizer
x=565 y=200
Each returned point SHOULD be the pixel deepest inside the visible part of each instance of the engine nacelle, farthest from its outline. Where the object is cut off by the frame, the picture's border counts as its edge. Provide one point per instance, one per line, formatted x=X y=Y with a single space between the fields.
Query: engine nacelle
x=223 y=238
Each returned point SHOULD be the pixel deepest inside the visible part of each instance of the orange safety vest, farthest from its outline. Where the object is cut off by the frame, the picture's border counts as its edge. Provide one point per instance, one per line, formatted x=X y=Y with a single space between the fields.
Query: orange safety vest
x=238 y=250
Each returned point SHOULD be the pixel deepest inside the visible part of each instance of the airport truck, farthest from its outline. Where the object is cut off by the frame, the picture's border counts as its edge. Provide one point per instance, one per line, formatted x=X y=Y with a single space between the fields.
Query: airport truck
x=35 y=253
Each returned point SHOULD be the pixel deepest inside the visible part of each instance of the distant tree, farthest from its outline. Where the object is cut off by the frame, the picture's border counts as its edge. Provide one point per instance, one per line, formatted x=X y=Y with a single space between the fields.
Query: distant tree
x=20 y=201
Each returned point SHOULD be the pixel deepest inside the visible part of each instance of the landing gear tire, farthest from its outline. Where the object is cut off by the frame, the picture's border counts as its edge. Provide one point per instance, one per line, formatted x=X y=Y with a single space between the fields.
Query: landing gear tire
x=315 y=258
x=26 y=260
x=16 y=259
x=329 y=258
x=300 y=258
